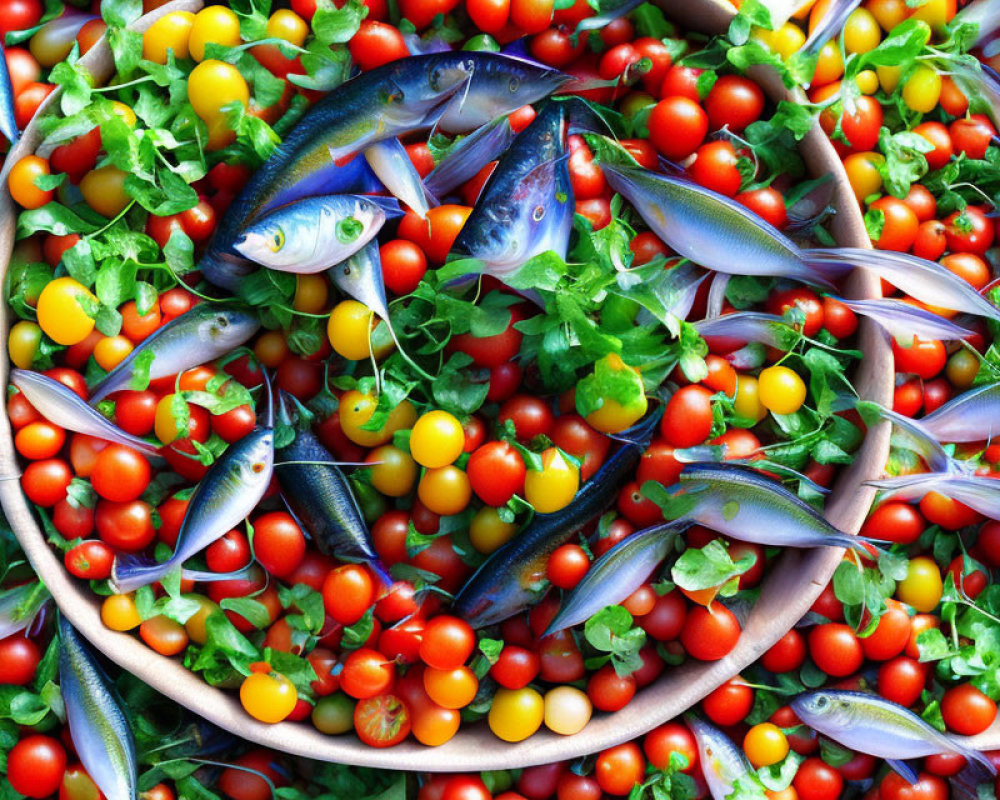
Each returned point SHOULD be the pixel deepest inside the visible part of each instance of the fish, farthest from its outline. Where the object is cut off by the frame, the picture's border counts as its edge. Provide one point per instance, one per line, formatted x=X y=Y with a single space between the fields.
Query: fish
x=926 y=281
x=468 y=156
x=741 y=503
x=723 y=764
x=829 y=26
x=912 y=435
x=903 y=321
x=20 y=605
x=230 y=490
x=713 y=230
x=745 y=326
x=526 y=206
x=978 y=493
x=313 y=234
x=8 y=121
x=616 y=574
x=98 y=723
x=320 y=496
x=389 y=160
x=509 y=580
x=871 y=724
x=458 y=91
x=61 y=406
x=204 y=333
x=970 y=417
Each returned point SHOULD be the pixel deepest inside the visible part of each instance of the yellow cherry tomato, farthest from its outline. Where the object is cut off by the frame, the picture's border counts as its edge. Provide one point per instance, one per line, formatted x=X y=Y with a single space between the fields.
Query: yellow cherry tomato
x=171 y=32
x=445 y=490
x=830 y=65
x=747 y=401
x=104 y=190
x=268 y=697
x=195 y=625
x=165 y=422
x=287 y=25
x=889 y=13
x=765 y=744
x=126 y=113
x=220 y=133
x=863 y=173
x=787 y=39
x=614 y=414
x=867 y=81
x=437 y=439
x=487 y=532
x=21 y=182
x=888 y=78
x=861 y=32
x=781 y=390
x=311 y=292
x=922 y=586
x=22 y=343
x=61 y=313
x=936 y=13
x=356 y=409
x=213 y=85
x=118 y=612
x=213 y=25
x=110 y=351
x=516 y=713
x=350 y=328
x=554 y=486
x=922 y=90
x=397 y=473
x=962 y=369
x=567 y=710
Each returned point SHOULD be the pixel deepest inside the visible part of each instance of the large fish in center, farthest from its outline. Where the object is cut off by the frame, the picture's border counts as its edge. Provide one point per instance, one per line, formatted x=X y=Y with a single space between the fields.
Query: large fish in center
x=526 y=206
x=459 y=91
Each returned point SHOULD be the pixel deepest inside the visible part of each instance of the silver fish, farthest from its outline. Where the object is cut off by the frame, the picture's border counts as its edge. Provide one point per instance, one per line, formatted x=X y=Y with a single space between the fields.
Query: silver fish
x=230 y=490
x=312 y=235
x=20 y=606
x=970 y=417
x=196 y=337
x=871 y=724
x=713 y=230
x=745 y=326
x=983 y=13
x=743 y=504
x=97 y=720
x=722 y=762
x=8 y=122
x=62 y=406
x=913 y=435
x=978 y=493
x=616 y=574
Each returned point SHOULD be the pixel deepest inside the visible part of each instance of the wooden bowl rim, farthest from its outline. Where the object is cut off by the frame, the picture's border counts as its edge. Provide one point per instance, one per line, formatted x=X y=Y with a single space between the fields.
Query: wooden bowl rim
x=786 y=595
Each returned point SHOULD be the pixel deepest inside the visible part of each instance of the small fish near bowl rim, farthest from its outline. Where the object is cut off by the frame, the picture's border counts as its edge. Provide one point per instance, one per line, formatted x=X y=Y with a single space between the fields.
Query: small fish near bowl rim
x=787 y=592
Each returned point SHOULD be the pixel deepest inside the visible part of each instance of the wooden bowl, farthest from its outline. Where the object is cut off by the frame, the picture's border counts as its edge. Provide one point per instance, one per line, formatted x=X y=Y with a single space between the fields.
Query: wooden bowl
x=787 y=593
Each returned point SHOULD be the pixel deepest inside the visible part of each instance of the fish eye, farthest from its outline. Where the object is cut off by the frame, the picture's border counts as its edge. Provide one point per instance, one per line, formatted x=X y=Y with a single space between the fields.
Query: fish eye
x=221 y=322
x=278 y=240
x=514 y=84
x=538 y=213
x=257 y=467
x=822 y=701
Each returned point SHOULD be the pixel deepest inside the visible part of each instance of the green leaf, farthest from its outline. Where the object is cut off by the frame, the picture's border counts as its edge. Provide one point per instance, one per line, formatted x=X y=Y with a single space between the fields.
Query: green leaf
x=611 y=631
x=357 y=634
x=76 y=85
x=120 y=13
x=709 y=566
x=253 y=611
x=611 y=380
x=52 y=218
x=334 y=25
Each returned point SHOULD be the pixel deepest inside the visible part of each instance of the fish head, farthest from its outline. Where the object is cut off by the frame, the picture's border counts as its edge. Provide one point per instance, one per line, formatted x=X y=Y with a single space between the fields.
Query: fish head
x=225 y=329
x=823 y=710
x=422 y=87
x=275 y=240
x=256 y=462
x=501 y=84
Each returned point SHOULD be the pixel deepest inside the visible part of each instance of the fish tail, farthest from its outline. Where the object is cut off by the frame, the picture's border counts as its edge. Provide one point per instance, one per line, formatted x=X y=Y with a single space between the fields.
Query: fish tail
x=130 y=572
x=979 y=757
x=381 y=572
x=202 y=576
x=826 y=265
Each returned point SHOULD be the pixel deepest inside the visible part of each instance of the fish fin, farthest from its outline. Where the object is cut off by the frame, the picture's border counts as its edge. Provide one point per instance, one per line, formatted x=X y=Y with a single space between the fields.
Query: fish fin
x=130 y=572
x=903 y=769
x=203 y=576
x=826 y=271
x=391 y=164
x=930 y=448
x=390 y=205
x=584 y=117
x=979 y=758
